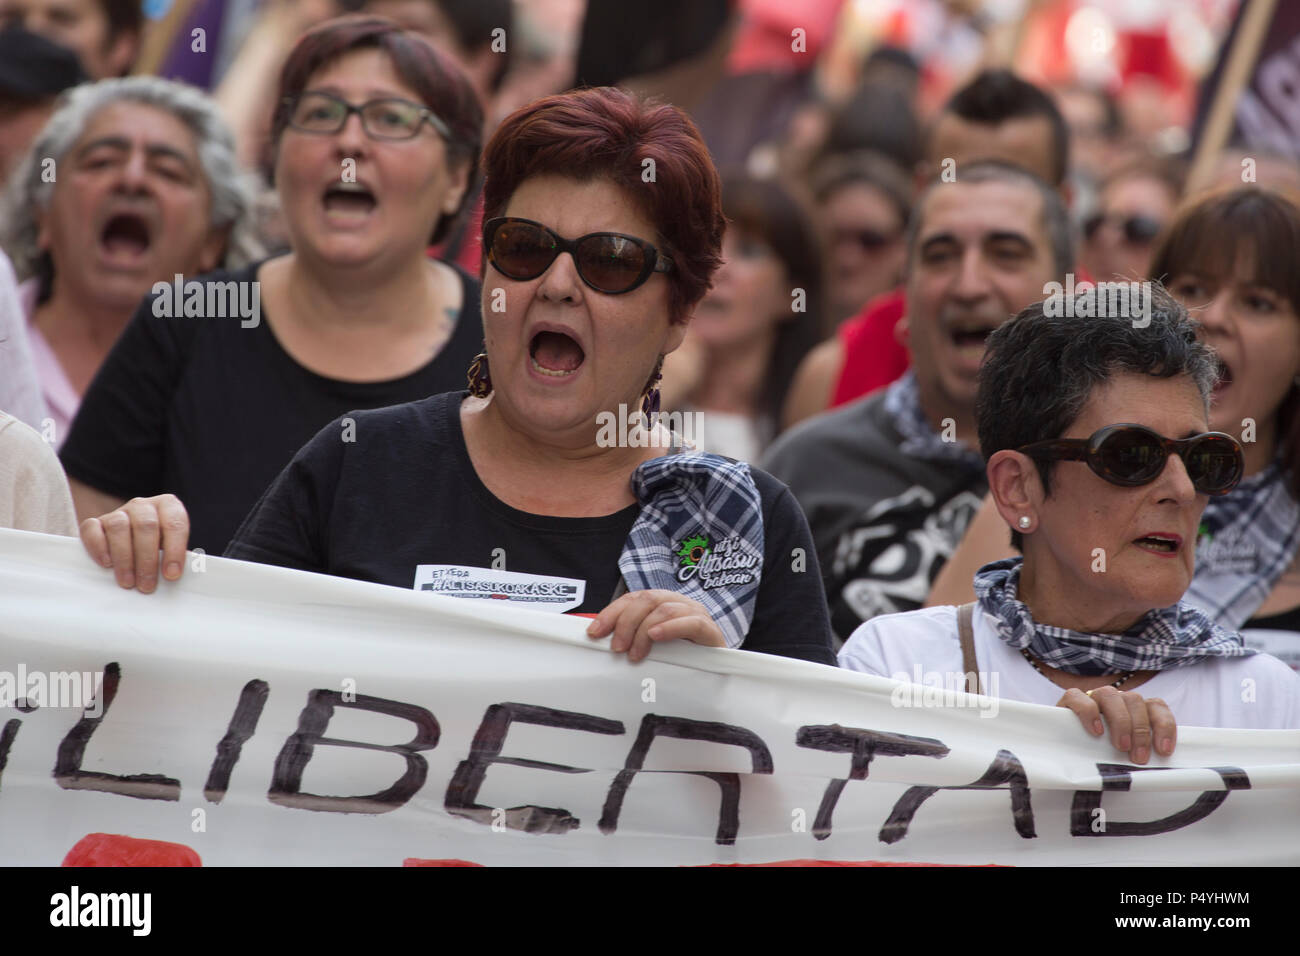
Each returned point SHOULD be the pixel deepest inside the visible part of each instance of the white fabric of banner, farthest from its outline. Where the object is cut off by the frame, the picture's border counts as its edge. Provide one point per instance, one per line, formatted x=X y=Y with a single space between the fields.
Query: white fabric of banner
x=391 y=725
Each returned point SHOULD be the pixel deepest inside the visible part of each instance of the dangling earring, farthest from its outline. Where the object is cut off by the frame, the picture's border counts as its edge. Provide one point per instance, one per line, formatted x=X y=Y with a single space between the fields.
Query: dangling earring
x=650 y=403
x=480 y=381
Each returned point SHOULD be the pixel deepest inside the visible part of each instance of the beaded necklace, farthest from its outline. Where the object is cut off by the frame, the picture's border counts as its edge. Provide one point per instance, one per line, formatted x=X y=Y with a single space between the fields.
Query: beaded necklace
x=1123 y=679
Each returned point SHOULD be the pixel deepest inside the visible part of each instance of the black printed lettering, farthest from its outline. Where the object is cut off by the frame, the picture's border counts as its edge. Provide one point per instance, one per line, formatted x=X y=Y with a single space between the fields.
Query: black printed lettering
x=72 y=750
x=485 y=751
x=7 y=740
x=653 y=726
x=315 y=717
x=1005 y=768
x=242 y=726
x=863 y=745
x=1118 y=777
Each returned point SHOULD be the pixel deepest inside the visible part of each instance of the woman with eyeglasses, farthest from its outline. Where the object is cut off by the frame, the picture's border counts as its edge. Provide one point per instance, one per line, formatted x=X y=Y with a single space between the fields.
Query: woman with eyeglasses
x=551 y=484
x=196 y=409
x=1103 y=477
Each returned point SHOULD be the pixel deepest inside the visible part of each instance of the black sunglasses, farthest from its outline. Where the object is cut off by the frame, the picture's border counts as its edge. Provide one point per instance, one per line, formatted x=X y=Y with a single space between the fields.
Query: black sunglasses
x=1133 y=455
x=1138 y=230
x=609 y=262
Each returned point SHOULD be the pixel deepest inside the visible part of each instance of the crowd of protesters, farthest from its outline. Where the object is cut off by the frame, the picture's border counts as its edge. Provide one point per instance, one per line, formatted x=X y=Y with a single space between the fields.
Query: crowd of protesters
x=909 y=454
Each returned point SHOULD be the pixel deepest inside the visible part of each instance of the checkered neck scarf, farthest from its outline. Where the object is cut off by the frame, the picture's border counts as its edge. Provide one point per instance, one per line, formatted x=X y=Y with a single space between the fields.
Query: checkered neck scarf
x=903 y=405
x=700 y=533
x=1248 y=538
x=1162 y=639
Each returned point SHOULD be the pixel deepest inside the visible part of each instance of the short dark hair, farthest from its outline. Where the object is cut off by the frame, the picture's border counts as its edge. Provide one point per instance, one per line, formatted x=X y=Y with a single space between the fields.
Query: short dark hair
x=608 y=133
x=894 y=58
x=441 y=85
x=834 y=171
x=1039 y=370
x=995 y=96
x=1170 y=172
x=880 y=117
x=1055 y=217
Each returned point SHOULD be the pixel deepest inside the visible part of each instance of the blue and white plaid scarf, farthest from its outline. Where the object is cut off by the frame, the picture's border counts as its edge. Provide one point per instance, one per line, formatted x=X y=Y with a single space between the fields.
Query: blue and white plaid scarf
x=920 y=440
x=1161 y=640
x=700 y=533
x=1250 y=538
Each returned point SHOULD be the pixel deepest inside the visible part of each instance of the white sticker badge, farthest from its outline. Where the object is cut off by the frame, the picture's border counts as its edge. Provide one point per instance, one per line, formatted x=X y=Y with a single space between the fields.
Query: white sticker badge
x=541 y=592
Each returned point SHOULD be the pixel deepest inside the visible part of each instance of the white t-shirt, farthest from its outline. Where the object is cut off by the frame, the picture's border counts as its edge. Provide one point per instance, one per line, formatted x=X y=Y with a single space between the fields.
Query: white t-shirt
x=1256 y=692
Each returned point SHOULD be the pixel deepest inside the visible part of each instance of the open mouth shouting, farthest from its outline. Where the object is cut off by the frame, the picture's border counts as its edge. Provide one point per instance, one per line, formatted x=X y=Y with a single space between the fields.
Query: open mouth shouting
x=1224 y=381
x=126 y=238
x=554 y=352
x=969 y=337
x=1165 y=544
x=348 y=202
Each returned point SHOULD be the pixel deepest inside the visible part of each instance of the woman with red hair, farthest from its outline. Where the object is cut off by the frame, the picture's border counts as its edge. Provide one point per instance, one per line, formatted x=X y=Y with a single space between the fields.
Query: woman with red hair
x=603 y=227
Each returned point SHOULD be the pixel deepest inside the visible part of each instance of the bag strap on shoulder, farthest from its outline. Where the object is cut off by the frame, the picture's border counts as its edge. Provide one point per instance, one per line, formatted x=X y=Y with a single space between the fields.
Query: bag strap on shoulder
x=966 y=633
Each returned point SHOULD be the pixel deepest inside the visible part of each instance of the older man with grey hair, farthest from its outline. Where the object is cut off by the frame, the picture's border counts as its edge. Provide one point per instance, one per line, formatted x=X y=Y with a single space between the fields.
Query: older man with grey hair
x=890 y=482
x=131 y=182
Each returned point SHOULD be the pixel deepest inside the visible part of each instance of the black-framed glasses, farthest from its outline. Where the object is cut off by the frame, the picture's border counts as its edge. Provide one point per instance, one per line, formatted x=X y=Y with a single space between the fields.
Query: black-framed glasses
x=1138 y=230
x=387 y=118
x=609 y=262
x=1133 y=455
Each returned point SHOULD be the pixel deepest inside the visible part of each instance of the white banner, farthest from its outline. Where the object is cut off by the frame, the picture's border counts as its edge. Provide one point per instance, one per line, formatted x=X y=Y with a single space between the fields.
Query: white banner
x=261 y=716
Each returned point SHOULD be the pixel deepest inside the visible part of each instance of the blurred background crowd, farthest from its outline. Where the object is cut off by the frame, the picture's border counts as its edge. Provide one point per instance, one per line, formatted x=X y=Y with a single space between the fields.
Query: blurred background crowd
x=825 y=117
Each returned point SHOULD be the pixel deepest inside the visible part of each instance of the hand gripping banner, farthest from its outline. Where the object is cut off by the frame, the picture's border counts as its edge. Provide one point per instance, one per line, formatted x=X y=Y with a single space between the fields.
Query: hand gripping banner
x=254 y=715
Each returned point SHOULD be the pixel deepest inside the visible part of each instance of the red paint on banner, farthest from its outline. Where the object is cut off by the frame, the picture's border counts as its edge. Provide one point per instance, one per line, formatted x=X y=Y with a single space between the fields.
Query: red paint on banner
x=110 y=849
x=416 y=861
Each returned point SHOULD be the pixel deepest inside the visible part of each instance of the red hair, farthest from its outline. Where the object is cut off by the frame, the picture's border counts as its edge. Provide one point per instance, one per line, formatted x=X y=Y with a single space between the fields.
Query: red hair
x=439 y=83
x=607 y=133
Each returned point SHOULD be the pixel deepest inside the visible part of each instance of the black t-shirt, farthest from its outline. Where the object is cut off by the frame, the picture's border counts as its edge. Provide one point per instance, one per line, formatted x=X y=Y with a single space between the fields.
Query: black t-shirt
x=885 y=522
x=211 y=412
x=402 y=505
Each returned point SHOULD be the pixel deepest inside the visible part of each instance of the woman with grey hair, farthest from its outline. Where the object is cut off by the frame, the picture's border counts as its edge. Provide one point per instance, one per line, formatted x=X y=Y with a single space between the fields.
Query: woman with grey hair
x=1095 y=433
x=131 y=182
